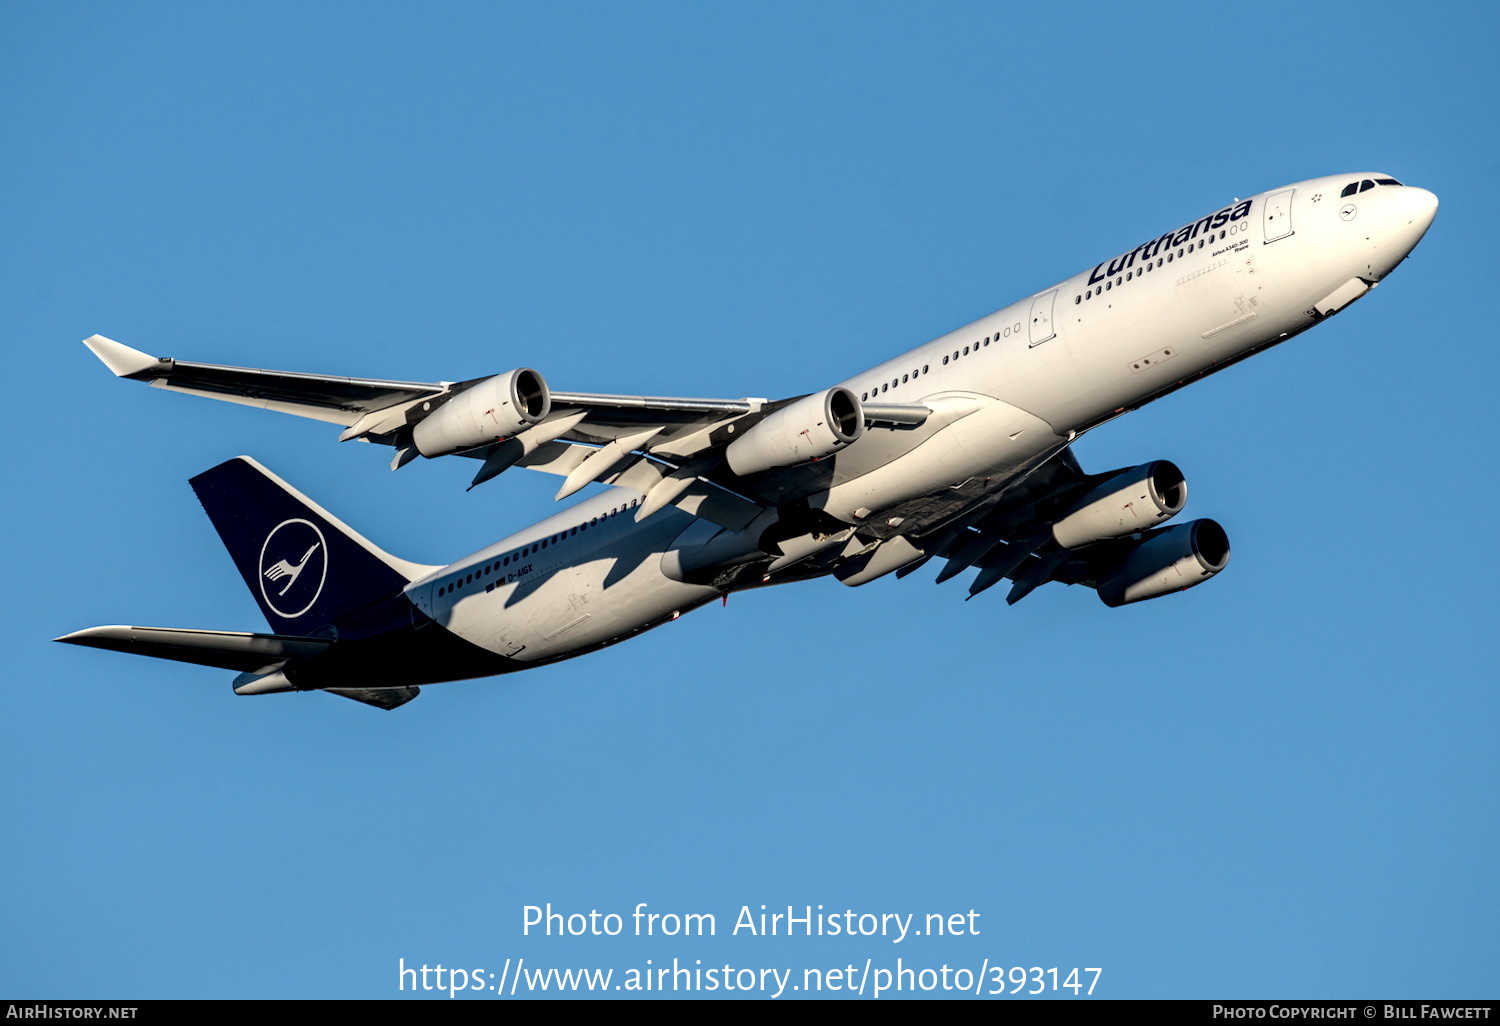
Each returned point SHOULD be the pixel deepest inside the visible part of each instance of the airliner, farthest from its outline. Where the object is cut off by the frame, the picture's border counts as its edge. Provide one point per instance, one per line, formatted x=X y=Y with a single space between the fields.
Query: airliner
x=957 y=451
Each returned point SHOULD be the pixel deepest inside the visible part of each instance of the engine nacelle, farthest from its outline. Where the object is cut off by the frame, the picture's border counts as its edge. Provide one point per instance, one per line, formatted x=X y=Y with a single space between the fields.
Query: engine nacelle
x=1133 y=500
x=1173 y=560
x=811 y=428
x=497 y=407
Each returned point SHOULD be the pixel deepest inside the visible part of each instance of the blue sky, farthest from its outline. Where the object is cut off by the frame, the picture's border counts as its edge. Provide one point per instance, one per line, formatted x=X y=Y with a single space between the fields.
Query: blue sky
x=1281 y=784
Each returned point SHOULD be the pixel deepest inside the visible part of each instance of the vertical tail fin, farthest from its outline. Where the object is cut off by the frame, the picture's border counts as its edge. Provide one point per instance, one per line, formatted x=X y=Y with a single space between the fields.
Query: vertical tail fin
x=302 y=564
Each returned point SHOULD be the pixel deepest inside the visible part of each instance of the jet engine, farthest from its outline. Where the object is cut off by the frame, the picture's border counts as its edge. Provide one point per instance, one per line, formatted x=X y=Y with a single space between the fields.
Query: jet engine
x=811 y=428
x=1173 y=559
x=1130 y=501
x=494 y=408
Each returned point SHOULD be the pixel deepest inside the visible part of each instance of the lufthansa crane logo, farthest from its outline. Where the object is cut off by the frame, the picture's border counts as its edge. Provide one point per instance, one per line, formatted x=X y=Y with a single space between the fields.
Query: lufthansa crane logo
x=293 y=567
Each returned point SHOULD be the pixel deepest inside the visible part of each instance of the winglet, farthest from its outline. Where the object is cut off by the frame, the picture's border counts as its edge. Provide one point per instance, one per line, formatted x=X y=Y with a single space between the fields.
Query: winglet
x=120 y=358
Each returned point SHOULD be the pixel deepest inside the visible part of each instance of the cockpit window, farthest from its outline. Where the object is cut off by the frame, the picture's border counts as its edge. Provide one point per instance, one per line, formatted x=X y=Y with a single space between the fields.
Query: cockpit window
x=1353 y=187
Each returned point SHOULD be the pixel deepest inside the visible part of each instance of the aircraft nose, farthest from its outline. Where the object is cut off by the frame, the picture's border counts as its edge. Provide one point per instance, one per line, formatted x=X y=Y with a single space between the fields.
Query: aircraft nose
x=1404 y=219
x=1418 y=207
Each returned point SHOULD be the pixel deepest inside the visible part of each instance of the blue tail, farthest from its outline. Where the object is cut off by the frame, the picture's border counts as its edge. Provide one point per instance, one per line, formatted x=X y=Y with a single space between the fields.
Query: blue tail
x=304 y=566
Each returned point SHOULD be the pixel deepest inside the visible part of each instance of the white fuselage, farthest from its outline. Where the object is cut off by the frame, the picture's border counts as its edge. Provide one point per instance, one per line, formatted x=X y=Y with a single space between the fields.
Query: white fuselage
x=1007 y=391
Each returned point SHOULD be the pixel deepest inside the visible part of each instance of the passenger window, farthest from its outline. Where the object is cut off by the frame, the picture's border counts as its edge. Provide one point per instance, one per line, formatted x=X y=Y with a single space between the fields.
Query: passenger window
x=945 y=360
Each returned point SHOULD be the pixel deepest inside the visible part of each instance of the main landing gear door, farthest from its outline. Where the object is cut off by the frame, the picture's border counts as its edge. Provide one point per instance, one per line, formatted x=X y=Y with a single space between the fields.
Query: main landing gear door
x=1041 y=317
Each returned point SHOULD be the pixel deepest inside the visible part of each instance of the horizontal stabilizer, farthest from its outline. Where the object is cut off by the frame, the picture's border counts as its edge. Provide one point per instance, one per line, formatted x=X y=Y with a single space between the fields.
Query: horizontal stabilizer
x=229 y=650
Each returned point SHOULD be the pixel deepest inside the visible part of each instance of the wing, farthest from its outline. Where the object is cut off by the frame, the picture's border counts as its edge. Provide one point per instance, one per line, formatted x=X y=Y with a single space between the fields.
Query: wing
x=335 y=400
x=671 y=448
x=1051 y=522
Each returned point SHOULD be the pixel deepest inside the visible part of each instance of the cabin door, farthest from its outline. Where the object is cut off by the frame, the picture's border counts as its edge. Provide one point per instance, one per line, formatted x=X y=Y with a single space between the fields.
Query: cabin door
x=1277 y=217
x=1042 y=308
